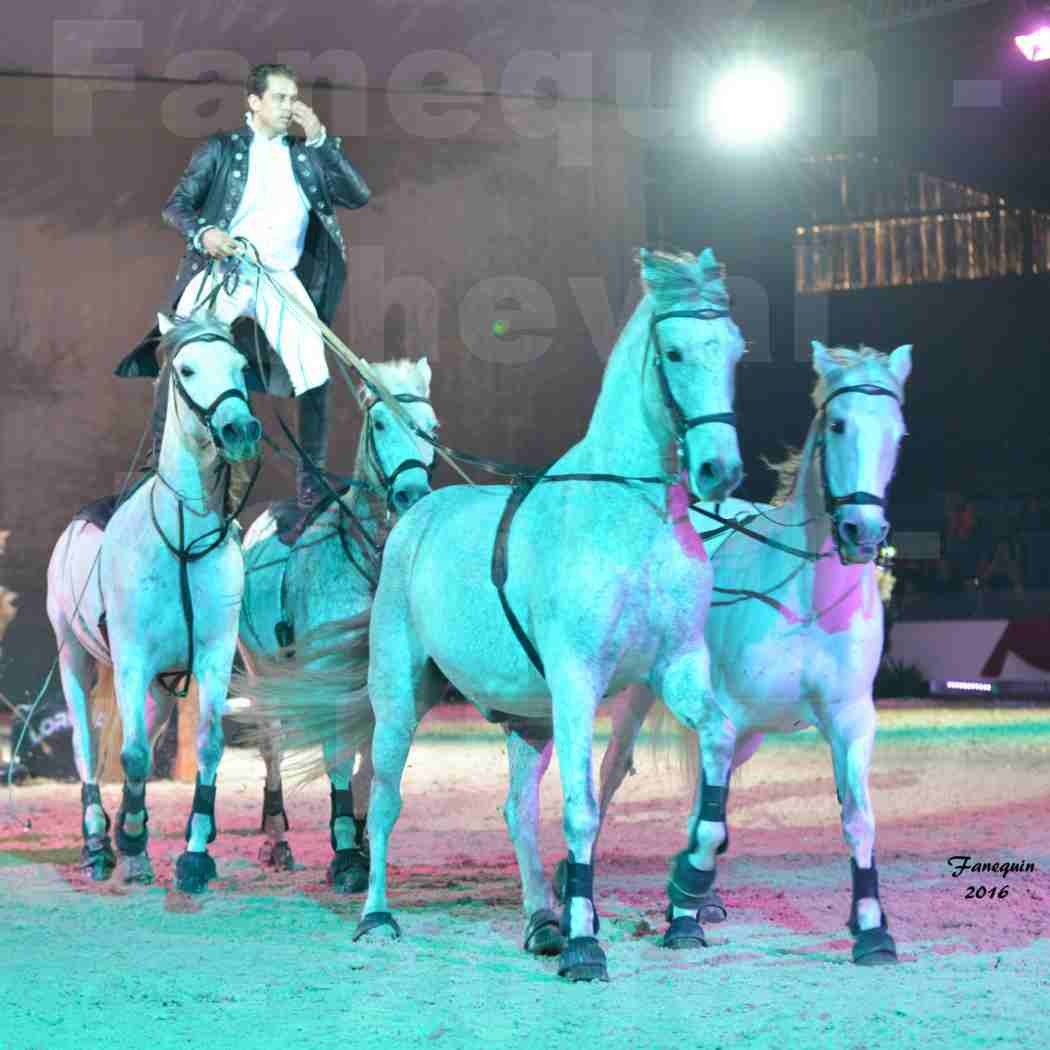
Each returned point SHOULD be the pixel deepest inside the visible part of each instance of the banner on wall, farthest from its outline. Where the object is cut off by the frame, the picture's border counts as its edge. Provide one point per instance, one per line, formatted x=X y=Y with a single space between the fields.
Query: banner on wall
x=1016 y=650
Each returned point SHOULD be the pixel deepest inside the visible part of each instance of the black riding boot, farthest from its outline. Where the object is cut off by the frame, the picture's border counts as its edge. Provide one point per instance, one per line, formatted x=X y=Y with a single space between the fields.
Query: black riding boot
x=313 y=440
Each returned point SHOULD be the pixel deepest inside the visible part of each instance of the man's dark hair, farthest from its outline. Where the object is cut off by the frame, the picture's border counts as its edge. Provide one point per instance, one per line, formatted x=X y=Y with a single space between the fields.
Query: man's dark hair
x=259 y=77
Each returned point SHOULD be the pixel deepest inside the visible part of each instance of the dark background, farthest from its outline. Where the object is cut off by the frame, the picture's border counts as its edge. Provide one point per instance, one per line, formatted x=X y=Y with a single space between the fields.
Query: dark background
x=85 y=260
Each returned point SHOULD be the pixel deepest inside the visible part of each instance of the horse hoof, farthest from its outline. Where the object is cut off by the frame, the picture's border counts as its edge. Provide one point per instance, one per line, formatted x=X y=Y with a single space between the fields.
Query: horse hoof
x=684 y=934
x=97 y=858
x=348 y=871
x=138 y=869
x=193 y=871
x=582 y=959
x=561 y=874
x=712 y=909
x=276 y=855
x=543 y=935
x=874 y=948
x=378 y=925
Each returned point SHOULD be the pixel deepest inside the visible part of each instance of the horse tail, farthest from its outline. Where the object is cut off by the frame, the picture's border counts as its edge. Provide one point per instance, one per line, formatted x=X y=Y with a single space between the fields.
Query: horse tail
x=105 y=718
x=670 y=744
x=313 y=695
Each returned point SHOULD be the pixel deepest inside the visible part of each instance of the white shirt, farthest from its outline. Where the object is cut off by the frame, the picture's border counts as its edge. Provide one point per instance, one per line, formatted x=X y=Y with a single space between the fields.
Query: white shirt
x=274 y=212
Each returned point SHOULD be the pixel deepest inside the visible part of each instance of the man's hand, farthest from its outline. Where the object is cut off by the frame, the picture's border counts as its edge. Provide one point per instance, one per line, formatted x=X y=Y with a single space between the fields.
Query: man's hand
x=303 y=115
x=219 y=244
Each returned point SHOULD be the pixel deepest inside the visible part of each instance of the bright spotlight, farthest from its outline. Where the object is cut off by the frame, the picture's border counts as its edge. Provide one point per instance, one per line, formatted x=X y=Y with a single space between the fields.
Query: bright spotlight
x=749 y=104
x=1035 y=46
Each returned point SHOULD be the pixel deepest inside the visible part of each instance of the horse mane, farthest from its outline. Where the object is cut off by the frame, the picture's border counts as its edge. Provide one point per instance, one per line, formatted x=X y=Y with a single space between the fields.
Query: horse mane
x=677 y=279
x=197 y=325
x=787 y=469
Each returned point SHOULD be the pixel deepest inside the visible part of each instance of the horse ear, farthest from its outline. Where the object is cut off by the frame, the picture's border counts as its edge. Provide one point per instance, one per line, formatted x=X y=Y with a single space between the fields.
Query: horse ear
x=707 y=259
x=164 y=323
x=822 y=361
x=424 y=373
x=900 y=363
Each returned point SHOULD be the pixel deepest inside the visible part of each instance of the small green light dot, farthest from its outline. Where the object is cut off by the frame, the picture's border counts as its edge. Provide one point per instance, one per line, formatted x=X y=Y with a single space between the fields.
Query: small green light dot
x=499 y=327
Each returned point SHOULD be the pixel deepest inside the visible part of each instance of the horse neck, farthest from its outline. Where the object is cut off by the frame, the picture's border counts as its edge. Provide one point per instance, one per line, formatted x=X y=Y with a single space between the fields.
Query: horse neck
x=367 y=507
x=629 y=432
x=192 y=471
x=806 y=503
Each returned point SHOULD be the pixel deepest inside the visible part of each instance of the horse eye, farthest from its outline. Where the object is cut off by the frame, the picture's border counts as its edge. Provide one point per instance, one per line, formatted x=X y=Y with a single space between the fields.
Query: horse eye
x=674 y=355
x=838 y=426
x=186 y=372
x=380 y=425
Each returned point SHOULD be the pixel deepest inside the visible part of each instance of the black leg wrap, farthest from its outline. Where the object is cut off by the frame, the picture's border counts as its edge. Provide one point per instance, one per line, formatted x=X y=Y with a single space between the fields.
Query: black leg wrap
x=203 y=806
x=870 y=947
x=130 y=802
x=686 y=885
x=342 y=806
x=579 y=882
x=273 y=806
x=91 y=795
x=713 y=800
x=360 y=830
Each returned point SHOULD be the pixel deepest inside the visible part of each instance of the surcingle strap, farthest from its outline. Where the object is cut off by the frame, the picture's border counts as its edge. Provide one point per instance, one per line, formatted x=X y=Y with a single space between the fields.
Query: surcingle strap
x=203 y=806
x=500 y=570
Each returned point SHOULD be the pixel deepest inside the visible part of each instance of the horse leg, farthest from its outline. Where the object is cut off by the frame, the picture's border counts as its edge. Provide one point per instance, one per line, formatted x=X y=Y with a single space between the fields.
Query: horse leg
x=574 y=700
x=400 y=683
x=850 y=729
x=274 y=852
x=348 y=869
x=195 y=866
x=713 y=908
x=686 y=688
x=629 y=711
x=76 y=670
x=529 y=747
x=132 y=833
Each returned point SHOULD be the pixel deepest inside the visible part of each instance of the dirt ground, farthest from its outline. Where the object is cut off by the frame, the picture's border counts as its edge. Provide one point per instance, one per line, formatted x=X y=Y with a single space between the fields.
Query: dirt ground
x=266 y=960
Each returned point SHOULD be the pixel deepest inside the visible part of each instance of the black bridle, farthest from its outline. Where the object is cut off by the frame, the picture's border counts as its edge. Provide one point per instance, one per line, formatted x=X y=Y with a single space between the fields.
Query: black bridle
x=680 y=423
x=833 y=503
x=207 y=415
x=386 y=480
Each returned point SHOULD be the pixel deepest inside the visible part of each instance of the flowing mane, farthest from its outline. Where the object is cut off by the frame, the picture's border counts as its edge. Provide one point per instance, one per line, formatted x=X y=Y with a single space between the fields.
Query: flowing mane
x=682 y=280
x=787 y=470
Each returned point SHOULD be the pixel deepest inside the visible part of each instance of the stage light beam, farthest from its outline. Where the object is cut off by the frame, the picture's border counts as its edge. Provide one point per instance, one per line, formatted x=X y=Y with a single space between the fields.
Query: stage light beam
x=1035 y=46
x=750 y=104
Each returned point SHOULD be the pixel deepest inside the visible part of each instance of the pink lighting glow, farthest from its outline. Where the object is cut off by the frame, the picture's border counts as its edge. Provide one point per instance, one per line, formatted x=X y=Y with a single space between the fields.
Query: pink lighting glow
x=1035 y=46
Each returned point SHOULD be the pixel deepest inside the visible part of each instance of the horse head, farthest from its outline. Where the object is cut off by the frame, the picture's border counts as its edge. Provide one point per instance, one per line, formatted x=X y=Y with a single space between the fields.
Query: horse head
x=695 y=346
x=391 y=456
x=859 y=426
x=208 y=391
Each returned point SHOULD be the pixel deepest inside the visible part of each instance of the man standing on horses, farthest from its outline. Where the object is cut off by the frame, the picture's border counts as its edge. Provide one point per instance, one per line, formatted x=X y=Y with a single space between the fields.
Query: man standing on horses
x=279 y=192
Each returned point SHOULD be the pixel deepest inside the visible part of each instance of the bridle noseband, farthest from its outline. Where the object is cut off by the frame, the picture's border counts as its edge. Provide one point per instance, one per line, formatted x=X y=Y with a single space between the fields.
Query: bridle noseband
x=206 y=415
x=387 y=480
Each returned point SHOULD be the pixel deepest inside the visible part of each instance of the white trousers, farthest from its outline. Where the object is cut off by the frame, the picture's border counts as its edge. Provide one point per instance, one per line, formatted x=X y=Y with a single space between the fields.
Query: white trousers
x=298 y=345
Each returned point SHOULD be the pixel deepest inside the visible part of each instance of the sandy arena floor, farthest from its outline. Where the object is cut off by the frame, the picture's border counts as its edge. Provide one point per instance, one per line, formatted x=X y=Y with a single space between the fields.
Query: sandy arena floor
x=265 y=960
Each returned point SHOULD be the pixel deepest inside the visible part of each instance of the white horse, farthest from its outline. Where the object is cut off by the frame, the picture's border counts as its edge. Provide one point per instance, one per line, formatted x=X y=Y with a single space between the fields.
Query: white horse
x=330 y=575
x=160 y=589
x=598 y=581
x=796 y=641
